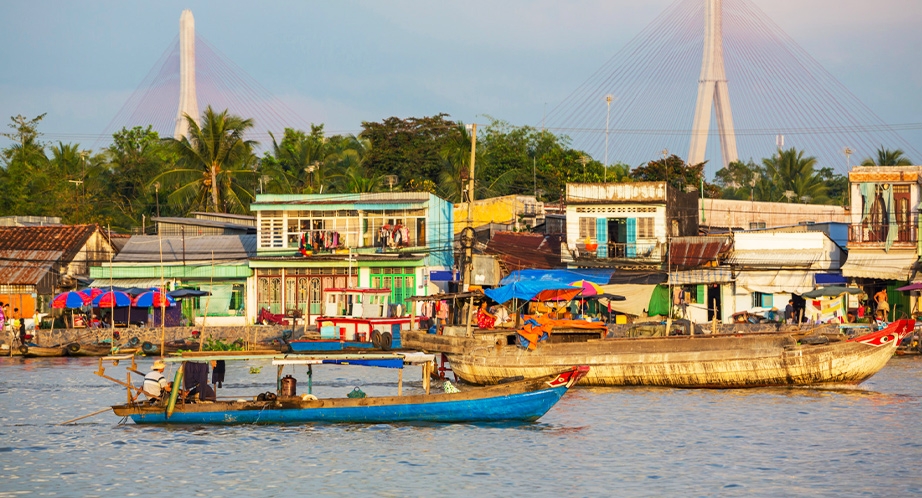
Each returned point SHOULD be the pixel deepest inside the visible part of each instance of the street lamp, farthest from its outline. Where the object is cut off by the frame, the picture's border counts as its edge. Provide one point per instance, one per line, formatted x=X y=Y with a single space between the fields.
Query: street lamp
x=583 y=160
x=263 y=180
x=608 y=99
x=310 y=173
x=391 y=180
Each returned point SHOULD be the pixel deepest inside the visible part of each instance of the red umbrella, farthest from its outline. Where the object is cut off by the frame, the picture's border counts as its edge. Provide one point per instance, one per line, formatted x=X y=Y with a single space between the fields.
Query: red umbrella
x=589 y=288
x=90 y=293
x=112 y=299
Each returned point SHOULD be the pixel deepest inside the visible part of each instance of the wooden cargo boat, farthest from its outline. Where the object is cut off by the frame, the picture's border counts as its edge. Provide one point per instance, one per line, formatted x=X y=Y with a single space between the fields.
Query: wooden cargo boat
x=525 y=400
x=696 y=361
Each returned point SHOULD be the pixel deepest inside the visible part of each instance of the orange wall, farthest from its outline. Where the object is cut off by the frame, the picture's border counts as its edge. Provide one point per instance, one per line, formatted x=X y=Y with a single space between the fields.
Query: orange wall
x=25 y=303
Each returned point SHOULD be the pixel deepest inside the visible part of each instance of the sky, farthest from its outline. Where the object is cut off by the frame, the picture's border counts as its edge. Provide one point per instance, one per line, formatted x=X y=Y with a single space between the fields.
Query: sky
x=344 y=62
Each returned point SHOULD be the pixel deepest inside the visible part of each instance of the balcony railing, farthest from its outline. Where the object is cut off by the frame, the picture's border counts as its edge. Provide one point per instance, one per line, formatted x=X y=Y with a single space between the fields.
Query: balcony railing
x=615 y=250
x=876 y=233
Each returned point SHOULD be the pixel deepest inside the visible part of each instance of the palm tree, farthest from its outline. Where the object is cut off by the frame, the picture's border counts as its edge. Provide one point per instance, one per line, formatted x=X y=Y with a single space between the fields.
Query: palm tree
x=211 y=157
x=356 y=179
x=887 y=157
x=793 y=177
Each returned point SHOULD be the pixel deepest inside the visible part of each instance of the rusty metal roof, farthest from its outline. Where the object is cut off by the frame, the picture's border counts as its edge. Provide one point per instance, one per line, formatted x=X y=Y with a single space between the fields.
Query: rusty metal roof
x=522 y=250
x=24 y=267
x=692 y=252
x=67 y=239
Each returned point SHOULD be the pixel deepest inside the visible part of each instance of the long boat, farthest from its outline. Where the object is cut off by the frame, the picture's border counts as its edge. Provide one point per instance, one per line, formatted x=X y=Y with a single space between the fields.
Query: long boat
x=523 y=400
x=32 y=351
x=690 y=361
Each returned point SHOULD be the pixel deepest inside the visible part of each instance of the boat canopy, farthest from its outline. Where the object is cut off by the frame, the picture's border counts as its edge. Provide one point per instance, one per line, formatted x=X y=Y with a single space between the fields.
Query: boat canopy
x=386 y=360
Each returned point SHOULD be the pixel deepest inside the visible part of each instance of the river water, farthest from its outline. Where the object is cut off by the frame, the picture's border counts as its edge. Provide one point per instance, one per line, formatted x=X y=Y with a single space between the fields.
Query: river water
x=595 y=442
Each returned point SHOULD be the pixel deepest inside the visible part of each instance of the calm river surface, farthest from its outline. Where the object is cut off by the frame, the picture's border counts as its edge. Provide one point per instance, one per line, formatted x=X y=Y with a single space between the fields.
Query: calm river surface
x=595 y=442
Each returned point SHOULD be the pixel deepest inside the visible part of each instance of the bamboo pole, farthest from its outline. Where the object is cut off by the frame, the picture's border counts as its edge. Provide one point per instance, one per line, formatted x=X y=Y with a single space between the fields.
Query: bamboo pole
x=201 y=335
x=162 y=304
x=399 y=382
x=85 y=416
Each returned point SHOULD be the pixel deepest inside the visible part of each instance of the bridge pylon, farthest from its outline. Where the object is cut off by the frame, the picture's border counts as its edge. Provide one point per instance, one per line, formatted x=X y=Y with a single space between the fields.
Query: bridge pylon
x=712 y=91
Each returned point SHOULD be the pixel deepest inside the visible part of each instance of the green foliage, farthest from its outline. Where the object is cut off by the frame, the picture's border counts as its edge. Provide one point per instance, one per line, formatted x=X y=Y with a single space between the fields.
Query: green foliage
x=793 y=178
x=887 y=157
x=677 y=173
x=212 y=344
x=407 y=148
x=212 y=159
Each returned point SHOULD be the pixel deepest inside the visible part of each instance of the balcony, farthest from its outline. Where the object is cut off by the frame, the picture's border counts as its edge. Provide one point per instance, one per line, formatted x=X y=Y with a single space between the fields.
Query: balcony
x=641 y=252
x=875 y=234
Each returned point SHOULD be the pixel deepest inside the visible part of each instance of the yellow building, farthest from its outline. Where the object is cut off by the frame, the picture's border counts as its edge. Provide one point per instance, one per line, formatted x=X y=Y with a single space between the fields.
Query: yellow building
x=516 y=211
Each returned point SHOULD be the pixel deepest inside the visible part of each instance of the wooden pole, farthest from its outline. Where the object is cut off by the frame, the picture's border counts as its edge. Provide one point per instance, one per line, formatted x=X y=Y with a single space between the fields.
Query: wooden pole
x=201 y=334
x=469 y=251
x=86 y=416
x=399 y=382
x=162 y=311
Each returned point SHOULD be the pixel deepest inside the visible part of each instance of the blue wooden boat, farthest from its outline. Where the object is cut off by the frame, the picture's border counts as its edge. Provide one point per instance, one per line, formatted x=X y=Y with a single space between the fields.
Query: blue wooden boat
x=519 y=400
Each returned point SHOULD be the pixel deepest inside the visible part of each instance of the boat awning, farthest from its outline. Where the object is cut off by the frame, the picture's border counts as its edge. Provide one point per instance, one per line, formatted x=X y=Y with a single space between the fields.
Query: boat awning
x=881 y=265
x=774 y=258
x=701 y=276
x=776 y=281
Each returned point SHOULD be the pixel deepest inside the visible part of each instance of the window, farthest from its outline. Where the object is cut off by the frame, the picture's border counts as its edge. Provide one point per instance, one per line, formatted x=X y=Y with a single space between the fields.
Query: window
x=645 y=228
x=760 y=300
x=755 y=225
x=587 y=228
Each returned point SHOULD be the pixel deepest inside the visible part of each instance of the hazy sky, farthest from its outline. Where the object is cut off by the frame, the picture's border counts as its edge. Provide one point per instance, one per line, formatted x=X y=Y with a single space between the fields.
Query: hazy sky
x=344 y=62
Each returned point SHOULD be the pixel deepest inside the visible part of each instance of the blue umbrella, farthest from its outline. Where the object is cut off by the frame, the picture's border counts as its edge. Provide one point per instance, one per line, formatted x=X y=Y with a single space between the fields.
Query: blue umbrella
x=69 y=300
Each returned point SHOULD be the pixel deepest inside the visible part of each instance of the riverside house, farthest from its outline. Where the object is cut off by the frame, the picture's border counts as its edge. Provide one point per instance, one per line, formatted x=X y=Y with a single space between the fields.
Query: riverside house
x=309 y=243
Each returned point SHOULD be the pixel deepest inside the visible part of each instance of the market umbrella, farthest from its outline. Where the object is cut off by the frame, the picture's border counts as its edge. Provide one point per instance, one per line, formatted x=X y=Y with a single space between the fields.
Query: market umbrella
x=70 y=300
x=153 y=298
x=911 y=287
x=557 y=294
x=112 y=299
x=832 y=291
x=588 y=288
x=90 y=293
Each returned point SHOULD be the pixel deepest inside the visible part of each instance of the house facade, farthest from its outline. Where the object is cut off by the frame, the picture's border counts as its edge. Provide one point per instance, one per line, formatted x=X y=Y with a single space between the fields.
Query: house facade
x=308 y=243
x=626 y=223
x=883 y=237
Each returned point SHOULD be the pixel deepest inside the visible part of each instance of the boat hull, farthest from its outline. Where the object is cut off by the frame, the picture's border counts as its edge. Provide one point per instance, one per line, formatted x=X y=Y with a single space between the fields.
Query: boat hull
x=41 y=352
x=718 y=361
x=519 y=401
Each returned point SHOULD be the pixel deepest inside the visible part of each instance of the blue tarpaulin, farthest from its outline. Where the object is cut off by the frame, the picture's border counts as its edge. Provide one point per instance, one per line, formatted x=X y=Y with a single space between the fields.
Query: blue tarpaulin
x=561 y=277
x=526 y=284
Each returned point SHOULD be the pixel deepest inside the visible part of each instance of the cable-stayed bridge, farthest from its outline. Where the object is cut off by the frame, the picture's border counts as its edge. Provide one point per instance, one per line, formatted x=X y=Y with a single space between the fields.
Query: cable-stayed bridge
x=761 y=88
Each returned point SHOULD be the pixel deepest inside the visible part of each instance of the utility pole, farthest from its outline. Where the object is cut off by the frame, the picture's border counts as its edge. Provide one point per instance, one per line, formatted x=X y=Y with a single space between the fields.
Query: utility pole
x=469 y=249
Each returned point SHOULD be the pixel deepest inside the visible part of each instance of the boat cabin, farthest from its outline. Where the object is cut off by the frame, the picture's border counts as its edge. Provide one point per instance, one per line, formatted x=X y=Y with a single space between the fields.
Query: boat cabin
x=356 y=303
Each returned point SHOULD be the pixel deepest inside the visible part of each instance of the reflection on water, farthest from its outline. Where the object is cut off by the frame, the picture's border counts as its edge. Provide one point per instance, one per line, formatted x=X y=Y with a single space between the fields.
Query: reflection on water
x=596 y=441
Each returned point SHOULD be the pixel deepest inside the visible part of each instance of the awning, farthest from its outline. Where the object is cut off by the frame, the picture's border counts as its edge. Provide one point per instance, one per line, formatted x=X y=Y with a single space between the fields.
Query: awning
x=691 y=252
x=776 y=281
x=829 y=279
x=774 y=258
x=881 y=265
x=701 y=276
x=143 y=283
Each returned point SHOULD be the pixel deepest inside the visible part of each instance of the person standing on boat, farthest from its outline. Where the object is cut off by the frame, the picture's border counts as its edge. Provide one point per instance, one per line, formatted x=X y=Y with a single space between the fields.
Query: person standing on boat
x=883 y=307
x=3 y=315
x=155 y=384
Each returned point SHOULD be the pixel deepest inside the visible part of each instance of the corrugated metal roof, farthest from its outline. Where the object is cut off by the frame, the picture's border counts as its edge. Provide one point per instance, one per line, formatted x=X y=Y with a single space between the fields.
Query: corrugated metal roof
x=720 y=275
x=690 y=252
x=24 y=267
x=881 y=265
x=774 y=258
x=147 y=248
x=68 y=239
x=519 y=251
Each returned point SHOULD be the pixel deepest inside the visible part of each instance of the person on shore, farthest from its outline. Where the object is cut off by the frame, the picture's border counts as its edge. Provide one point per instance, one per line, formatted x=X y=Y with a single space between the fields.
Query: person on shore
x=3 y=307
x=882 y=305
x=789 y=312
x=155 y=384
